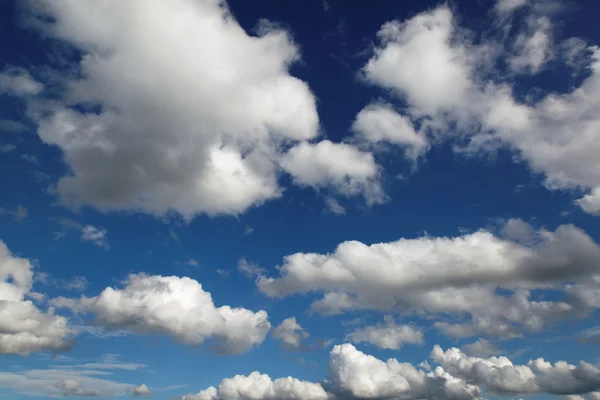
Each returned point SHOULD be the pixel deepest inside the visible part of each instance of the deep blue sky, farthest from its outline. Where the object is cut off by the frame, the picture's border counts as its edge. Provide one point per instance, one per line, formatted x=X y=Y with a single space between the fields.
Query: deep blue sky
x=448 y=194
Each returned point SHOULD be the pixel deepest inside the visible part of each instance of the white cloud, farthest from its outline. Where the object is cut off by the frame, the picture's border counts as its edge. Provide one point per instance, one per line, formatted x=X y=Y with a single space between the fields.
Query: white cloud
x=453 y=275
x=195 y=131
x=249 y=269
x=379 y=122
x=532 y=48
x=97 y=236
x=142 y=390
x=290 y=333
x=24 y=328
x=171 y=305
x=388 y=335
x=590 y=203
x=416 y=59
x=500 y=376
x=258 y=386
x=352 y=375
x=430 y=61
x=360 y=375
x=18 y=82
x=508 y=6
x=339 y=166
x=334 y=206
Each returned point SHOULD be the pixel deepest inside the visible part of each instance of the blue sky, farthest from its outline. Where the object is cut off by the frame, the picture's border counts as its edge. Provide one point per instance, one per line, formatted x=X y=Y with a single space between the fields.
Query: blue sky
x=197 y=190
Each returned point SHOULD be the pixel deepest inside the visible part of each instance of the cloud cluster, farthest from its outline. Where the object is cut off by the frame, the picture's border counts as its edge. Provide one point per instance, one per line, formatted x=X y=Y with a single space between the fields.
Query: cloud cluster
x=175 y=306
x=353 y=374
x=454 y=275
x=500 y=376
x=196 y=131
x=24 y=328
x=431 y=63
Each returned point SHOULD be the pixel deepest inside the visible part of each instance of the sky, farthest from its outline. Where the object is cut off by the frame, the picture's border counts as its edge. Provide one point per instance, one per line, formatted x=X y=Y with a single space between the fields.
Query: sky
x=300 y=200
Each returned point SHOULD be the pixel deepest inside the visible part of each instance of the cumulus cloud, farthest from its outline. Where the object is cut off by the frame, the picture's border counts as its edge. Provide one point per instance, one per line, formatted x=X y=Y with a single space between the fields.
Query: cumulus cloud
x=431 y=63
x=196 y=131
x=500 y=376
x=18 y=82
x=352 y=374
x=388 y=335
x=24 y=328
x=290 y=333
x=379 y=122
x=175 y=306
x=142 y=390
x=340 y=166
x=453 y=275
x=258 y=386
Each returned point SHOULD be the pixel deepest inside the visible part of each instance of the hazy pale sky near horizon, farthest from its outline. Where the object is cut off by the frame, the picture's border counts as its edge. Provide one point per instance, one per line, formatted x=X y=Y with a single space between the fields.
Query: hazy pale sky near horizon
x=300 y=200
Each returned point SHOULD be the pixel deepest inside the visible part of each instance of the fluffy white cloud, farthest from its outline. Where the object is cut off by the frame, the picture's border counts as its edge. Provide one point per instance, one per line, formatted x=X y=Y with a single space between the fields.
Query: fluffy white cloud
x=363 y=376
x=379 y=122
x=339 y=166
x=429 y=61
x=142 y=390
x=174 y=306
x=452 y=275
x=24 y=328
x=352 y=375
x=590 y=203
x=416 y=59
x=18 y=82
x=500 y=376
x=195 y=130
x=388 y=335
x=257 y=386
x=290 y=333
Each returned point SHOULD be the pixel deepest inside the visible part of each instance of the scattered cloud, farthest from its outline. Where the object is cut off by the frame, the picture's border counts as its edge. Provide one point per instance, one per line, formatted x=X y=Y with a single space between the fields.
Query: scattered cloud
x=290 y=333
x=338 y=166
x=169 y=305
x=97 y=236
x=249 y=269
x=10 y=126
x=18 y=215
x=334 y=206
x=142 y=390
x=388 y=335
x=18 y=82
